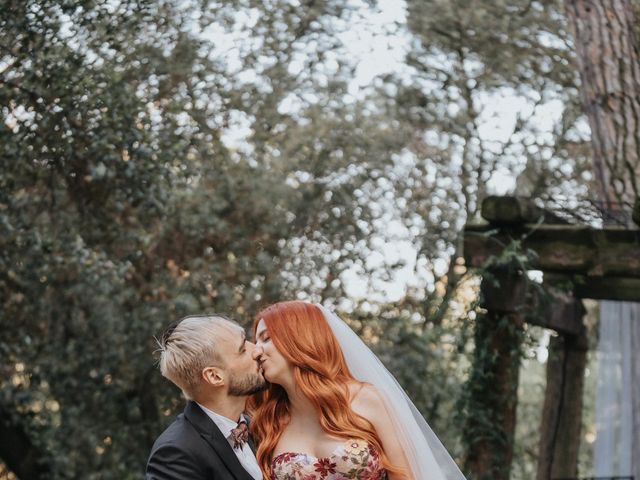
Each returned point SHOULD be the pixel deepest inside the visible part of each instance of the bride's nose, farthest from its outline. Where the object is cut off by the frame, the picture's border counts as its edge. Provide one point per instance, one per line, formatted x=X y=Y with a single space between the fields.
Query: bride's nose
x=257 y=352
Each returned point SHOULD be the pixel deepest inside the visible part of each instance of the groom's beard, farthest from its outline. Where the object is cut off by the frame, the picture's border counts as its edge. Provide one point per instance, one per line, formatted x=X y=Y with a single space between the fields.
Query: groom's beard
x=247 y=385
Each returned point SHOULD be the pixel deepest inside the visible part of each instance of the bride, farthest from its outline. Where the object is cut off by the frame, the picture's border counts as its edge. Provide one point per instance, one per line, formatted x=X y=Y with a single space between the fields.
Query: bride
x=332 y=410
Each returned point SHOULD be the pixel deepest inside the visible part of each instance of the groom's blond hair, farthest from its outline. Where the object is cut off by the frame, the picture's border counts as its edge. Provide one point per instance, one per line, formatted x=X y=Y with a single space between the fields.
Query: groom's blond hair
x=190 y=345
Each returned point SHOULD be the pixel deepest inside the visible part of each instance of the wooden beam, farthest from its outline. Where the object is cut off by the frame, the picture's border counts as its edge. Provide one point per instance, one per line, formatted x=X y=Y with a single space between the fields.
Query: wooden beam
x=597 y=288
x=557 y=309
x=499 y=210
x=578 y=250
x=608 y=288
x=511 y=210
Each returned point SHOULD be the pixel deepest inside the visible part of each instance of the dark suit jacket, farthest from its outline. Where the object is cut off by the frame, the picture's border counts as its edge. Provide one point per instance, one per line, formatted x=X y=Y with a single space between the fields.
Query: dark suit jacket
x=193 y=448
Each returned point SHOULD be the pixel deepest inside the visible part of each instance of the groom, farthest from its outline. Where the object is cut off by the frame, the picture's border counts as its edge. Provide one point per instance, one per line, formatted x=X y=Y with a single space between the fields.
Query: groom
x=210 y=360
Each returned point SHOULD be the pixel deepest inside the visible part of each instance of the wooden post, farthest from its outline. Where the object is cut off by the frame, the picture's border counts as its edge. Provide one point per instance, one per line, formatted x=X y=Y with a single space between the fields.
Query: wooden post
x=635 y=379
x=493 y=398
x=561 y=420
x=594 y=263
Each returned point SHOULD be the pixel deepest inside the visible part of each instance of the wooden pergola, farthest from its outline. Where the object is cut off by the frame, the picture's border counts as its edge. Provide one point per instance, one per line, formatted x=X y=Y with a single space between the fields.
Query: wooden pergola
x=577 y=261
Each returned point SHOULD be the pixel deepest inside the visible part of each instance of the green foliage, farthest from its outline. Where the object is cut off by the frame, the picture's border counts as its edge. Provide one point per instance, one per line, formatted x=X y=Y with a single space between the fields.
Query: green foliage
x=470 y=56
x=124 y=205
x=121 y=209
x=512 y=259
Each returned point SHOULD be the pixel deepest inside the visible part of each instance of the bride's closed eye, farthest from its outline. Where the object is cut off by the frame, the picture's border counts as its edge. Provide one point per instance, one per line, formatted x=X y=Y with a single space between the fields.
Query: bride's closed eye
x=262 y=337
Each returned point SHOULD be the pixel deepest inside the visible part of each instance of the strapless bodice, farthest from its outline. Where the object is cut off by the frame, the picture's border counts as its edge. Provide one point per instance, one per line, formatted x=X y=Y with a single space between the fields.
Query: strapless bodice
x=352 y=459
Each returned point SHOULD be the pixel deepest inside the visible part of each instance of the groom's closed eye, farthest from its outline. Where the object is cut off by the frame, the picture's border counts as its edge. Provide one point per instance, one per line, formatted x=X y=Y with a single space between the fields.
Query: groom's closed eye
x=243 y=345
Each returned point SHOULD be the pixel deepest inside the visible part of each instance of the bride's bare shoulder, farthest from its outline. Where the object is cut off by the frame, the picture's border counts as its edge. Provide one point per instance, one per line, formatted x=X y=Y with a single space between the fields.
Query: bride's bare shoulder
x=366 y=400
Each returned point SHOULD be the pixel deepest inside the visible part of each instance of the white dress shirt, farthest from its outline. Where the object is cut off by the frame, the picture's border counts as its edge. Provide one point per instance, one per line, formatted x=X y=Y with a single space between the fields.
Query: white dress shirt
x=244 y=453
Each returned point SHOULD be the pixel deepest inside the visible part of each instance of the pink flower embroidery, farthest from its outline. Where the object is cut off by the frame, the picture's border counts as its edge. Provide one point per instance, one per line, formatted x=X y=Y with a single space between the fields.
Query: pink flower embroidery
x=370 y=474
x=372 y=451
x=324 y=466
x=373 y=463
x=355 y=460
x=283 y=457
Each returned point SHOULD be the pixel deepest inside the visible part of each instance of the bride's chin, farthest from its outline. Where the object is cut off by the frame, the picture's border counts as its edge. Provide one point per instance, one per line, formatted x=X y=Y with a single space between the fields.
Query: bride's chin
x=269 y=378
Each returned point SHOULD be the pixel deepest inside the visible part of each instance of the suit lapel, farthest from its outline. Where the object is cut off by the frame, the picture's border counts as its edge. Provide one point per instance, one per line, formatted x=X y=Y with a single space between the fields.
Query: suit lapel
x=212 y=435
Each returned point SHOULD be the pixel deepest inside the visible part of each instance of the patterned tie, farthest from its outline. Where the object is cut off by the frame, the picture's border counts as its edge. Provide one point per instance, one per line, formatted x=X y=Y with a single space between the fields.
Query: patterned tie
x=240 y=434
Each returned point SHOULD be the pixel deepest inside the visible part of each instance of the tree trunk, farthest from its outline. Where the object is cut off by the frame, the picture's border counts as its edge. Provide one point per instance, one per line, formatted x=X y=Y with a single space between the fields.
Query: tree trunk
x=562 y=412
x=608 y=55
x=609 y=63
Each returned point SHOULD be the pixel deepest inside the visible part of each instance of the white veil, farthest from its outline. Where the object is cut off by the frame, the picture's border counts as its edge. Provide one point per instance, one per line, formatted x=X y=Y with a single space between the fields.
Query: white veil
x=427 y=457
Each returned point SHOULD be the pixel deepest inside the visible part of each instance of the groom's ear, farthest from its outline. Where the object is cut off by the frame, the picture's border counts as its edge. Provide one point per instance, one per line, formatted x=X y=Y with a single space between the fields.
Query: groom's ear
x=213 y=376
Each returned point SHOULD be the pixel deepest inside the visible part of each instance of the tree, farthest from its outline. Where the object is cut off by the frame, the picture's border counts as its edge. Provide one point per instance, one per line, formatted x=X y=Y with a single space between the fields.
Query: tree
x=122 y=208
x=466 y=57
x=608 y=58
x=148 y=171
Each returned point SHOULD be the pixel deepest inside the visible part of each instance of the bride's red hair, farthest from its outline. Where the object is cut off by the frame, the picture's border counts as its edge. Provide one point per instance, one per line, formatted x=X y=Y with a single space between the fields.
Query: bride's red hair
x=301 y=334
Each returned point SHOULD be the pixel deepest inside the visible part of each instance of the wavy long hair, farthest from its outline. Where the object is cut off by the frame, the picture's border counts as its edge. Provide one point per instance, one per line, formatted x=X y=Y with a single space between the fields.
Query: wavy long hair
x=301 y=334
